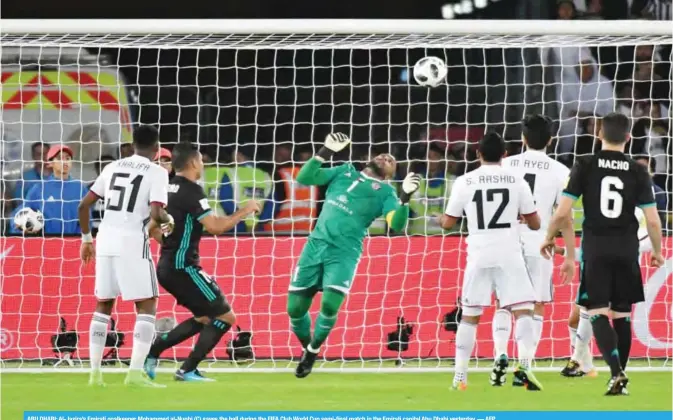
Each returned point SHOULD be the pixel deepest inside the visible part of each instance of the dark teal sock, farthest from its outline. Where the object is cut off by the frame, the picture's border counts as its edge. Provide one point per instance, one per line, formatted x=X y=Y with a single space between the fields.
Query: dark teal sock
x=606 y=338
x=622 y=327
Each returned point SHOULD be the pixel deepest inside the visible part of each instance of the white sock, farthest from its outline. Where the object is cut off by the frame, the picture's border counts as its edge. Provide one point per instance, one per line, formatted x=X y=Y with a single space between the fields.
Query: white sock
x=582 y=353
x=465 y=337
x=97 y=336
x=143 y=335
x=502 y=329
x=525 y=340
x=572 y=333
x=537 y=331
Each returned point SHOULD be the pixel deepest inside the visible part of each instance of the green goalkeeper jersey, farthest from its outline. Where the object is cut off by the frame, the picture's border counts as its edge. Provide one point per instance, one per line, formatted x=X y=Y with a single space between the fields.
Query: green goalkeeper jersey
x=352 y=202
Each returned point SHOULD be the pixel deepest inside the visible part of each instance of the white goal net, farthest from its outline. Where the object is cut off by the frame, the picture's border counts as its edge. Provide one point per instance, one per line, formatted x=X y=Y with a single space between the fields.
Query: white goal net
x=258 y=97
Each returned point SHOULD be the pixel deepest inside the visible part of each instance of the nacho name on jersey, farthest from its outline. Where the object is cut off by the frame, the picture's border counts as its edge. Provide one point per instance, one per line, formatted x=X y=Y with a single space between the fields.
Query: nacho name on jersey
x=491 y=179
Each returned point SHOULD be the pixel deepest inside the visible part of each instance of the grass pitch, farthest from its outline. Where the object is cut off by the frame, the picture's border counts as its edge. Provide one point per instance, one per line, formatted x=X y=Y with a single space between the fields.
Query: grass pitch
x=329 y=391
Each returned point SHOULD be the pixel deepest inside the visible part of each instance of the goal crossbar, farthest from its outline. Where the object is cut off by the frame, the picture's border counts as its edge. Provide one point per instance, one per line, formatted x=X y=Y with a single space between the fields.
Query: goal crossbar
x=334 y=26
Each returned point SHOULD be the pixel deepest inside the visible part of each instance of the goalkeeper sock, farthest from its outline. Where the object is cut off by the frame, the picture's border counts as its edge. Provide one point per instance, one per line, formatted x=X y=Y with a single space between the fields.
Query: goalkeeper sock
x=329 y=308
x=186 y=329
x=583 y=340
x=538 y=321
x=465 y=337
x=300 y=321
x=97 y=337
x=525 y=340
x=208 y=339
x=502 y=329
x=622 y=327
x=606 y=338
x=143 y=335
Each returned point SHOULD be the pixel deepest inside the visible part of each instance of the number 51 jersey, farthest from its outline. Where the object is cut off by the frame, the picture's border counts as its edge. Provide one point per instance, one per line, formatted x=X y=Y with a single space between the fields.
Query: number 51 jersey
x=128 y=187
x=492 y=198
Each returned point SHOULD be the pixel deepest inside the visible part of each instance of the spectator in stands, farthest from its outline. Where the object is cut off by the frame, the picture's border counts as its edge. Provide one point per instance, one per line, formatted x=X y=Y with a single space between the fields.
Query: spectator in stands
x=58 y=196
x=163 y=158
x=125 y=150
x=587 y=142
x=36 y=174
x=427 y=204
x=652 y=136
x=589 y=94
x=230 y=187
x=99 y=207
x=296 y=205
x=653 y=9
x=566 y=10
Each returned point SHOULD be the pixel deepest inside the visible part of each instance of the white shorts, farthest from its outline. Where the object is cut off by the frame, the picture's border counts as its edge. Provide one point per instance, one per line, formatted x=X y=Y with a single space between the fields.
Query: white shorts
x=511 y=284
x=134 y=278
x=541 y=271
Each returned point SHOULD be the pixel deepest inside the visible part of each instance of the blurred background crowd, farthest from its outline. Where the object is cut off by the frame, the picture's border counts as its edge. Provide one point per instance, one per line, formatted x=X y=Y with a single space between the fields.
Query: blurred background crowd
x=259 y=114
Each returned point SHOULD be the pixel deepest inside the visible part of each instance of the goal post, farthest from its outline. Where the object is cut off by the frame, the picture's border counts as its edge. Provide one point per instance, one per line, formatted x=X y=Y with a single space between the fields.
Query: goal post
x=262 y=94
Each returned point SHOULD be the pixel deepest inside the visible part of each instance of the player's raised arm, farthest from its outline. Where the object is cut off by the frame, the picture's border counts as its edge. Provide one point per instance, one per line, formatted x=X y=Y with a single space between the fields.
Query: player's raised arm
x=312 y=173
x=397 y=213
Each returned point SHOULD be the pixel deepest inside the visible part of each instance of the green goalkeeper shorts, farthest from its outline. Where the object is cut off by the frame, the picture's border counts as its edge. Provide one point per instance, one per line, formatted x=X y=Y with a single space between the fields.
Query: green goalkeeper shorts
x=322 y=266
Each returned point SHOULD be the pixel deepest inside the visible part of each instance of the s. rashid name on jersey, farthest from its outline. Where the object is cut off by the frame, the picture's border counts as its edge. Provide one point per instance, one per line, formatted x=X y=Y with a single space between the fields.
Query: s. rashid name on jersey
x=492 y=179
x=341 y=204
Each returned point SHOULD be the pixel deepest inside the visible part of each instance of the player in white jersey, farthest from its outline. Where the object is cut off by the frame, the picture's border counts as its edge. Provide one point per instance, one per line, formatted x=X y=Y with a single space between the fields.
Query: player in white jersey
x=546 y=178
x=134 y=190
x=493 y=198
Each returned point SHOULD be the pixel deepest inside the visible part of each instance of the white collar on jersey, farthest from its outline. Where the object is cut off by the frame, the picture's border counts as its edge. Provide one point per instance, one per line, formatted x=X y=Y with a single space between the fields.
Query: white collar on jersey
x=139 y=157
x=371 y=178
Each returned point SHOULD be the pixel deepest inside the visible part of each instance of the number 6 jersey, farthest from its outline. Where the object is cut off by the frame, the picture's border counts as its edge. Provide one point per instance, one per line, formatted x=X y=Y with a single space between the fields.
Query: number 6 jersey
x=128 y=187
x=611 y=185
x=492 y=197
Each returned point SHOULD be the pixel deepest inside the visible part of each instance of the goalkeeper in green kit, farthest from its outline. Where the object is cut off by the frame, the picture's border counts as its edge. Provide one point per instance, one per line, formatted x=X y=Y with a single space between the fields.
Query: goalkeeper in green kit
x=354 y=199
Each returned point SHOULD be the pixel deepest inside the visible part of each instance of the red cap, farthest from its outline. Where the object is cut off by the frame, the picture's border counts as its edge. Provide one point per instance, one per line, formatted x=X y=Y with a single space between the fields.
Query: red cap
x=58 y=148
x=163 y=153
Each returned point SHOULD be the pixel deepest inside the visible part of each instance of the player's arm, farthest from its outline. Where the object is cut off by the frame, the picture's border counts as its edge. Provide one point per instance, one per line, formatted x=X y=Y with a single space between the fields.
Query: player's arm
x=159 y=197
x=455 y=207
x=96 y=192
x=527 y=208
x=397 y=213
x=312 y=172
x=564 y=210
x=217 y=225
x=645 y=200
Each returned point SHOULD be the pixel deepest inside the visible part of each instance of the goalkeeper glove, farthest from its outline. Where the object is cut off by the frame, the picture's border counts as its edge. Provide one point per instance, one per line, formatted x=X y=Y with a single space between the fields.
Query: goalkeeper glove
x=334 y=142
x=409 y=186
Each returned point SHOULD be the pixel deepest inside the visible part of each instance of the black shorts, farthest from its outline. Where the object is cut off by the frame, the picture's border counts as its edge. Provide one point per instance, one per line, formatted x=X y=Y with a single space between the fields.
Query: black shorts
x=613 y=282
x=193 y=289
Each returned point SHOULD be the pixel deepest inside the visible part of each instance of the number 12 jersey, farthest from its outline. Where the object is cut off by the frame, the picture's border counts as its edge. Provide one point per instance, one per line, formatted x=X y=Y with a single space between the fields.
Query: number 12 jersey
x=492 y=197
x=128 y=187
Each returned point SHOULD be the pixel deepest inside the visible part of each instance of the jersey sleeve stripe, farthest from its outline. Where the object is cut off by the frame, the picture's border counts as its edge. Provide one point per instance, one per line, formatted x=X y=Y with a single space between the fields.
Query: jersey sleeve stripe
x=567 y=194
x=204 y=215
x=529 y=214
x=159 y=203
x=95 y=194
x=646 y=205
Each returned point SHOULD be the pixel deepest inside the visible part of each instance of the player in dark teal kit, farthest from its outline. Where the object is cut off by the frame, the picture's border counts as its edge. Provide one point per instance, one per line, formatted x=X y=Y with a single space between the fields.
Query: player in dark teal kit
x=330 y=257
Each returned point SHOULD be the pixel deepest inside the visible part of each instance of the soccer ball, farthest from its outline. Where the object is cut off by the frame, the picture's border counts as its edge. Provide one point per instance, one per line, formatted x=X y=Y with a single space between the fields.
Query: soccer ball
x=29 y=220
x=430 y=71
